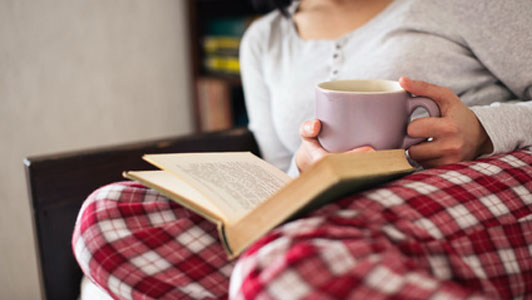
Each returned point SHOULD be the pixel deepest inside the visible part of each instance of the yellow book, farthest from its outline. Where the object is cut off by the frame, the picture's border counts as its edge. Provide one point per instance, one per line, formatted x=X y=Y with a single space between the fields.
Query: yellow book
x=214 y=44
x=226 y=64
x=246 y=197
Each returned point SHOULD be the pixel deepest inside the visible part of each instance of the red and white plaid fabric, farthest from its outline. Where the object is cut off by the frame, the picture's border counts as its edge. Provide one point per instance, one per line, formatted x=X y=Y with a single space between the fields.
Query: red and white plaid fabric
x=138 y=244
x=455 y=232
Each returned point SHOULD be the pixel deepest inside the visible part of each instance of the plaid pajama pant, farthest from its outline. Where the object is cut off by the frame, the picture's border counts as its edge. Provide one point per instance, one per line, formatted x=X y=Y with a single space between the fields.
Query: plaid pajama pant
x=462 y=231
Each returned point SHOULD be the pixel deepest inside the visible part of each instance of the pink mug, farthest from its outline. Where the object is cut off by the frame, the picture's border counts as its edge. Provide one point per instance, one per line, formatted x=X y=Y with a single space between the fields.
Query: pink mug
x=355 y=113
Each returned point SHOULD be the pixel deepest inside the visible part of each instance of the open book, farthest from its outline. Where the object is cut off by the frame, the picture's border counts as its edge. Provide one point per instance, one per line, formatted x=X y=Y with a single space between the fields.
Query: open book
x=246 y=196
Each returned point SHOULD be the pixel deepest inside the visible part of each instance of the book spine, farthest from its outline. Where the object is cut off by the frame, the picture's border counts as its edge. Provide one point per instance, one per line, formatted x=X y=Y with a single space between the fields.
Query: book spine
x=228 y=26
x=222 y=64
x=221 y=44
x=225 y=243
x=214 y=104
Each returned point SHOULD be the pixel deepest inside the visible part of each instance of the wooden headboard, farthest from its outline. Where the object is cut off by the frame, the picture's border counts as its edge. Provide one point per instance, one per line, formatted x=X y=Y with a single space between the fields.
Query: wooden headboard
x=58 y=184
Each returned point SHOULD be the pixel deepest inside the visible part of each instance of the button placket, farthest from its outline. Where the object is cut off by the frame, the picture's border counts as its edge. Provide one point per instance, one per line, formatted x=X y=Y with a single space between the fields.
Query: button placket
x=337 y=58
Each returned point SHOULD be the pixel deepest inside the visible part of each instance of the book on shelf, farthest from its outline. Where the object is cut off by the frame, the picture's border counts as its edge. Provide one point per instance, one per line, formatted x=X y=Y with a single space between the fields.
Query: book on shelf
x=246 y=197
x=228 y=26
x=222 y=64
x=221 y=54
x=214 y=104
x=221 y=43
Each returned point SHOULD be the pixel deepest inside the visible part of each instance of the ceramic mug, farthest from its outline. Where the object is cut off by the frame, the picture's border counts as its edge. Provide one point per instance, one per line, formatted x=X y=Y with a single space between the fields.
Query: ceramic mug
x=355 y=113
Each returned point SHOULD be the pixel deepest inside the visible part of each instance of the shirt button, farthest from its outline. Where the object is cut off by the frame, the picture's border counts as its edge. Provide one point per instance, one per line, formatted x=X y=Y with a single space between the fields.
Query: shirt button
x=335 y=55
x=335 y=72
x=338 y=46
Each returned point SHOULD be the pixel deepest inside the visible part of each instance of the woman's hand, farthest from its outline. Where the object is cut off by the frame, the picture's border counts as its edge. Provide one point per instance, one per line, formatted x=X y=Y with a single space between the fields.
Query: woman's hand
x=310 y=150
x=457 y=135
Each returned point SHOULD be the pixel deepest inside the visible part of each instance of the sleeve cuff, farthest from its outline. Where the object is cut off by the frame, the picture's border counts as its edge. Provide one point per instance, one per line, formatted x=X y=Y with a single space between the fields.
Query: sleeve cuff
x=507 y=125
x=293 y=170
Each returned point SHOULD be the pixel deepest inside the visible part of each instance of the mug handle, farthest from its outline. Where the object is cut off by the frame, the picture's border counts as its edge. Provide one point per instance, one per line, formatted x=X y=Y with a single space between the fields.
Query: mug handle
x=430 y=106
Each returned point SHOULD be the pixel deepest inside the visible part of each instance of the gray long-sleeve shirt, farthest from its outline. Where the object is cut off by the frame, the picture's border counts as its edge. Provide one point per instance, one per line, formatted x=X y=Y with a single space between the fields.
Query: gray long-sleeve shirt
x=481 y=49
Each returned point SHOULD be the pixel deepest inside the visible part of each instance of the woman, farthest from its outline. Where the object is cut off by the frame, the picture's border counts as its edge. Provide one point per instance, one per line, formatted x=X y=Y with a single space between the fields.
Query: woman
x=478 y=50
x=444 y=233
x=477 y=56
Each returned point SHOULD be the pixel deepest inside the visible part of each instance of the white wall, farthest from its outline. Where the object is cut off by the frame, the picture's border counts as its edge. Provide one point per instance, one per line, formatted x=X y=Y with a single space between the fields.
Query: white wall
x=76 y=74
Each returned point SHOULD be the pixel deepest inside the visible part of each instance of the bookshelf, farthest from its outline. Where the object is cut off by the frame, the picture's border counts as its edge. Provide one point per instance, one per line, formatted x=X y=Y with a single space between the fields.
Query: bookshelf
x=215 y=28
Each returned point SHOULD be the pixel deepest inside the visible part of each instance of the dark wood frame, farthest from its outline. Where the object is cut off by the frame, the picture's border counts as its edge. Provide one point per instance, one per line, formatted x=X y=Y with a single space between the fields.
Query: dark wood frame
x=59 y=183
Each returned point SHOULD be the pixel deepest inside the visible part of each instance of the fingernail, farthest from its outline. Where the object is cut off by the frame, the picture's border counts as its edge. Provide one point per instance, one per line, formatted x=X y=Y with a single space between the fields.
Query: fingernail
x=364 y=149
x=308 y=127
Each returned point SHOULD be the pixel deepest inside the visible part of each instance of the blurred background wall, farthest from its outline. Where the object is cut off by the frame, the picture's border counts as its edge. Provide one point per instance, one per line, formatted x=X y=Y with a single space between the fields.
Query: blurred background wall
x=78 y=74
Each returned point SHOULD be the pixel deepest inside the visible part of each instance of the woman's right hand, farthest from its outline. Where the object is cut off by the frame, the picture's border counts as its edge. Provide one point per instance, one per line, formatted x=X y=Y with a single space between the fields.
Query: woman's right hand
x=310 y=150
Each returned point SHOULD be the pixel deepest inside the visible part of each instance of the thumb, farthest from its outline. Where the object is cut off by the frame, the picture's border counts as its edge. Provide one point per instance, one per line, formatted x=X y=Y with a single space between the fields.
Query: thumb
x=310 y=129
x=441 y=95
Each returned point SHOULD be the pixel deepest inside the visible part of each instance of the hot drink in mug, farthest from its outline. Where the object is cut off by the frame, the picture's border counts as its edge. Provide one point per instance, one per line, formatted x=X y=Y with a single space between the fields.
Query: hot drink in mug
x=375 y=113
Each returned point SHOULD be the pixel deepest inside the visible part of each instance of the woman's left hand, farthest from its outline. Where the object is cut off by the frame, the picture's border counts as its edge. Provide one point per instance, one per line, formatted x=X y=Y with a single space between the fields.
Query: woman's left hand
x=457 y=134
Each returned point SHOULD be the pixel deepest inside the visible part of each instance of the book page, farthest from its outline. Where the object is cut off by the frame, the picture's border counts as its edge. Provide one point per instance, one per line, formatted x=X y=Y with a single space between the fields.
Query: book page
x=174 y=188
x=236 y=182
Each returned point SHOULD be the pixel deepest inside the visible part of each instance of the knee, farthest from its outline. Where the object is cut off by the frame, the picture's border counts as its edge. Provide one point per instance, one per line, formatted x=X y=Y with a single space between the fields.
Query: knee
x=99 y=208
x=122 y=191
x=299 y=257
x=115 y=210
